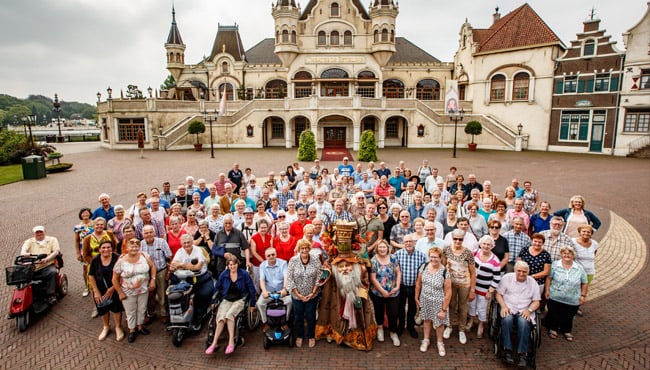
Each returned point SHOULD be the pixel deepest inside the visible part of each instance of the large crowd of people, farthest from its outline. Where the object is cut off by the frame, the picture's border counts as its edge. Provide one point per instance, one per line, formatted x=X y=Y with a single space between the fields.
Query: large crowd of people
x=429 y=249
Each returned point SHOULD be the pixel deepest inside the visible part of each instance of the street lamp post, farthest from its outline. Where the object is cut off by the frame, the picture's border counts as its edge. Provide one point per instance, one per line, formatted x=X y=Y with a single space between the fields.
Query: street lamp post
x=29 y=119
x=210 y=118
x=456 y=116
x=57 y=109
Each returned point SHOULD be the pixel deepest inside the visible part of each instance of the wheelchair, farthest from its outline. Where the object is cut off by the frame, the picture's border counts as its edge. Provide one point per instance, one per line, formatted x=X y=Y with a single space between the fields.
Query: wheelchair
x=494 y=332
x=241 y=323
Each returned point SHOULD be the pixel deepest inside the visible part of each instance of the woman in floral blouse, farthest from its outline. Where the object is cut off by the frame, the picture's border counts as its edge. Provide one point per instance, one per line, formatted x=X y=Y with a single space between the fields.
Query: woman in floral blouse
x=385 y=279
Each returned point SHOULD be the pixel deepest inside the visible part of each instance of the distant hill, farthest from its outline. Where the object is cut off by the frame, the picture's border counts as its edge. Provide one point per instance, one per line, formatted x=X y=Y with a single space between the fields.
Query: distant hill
x=42 y=106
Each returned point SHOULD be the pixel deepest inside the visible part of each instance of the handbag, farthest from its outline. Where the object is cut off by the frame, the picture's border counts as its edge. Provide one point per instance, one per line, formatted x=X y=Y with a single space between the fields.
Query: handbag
x=106 y=302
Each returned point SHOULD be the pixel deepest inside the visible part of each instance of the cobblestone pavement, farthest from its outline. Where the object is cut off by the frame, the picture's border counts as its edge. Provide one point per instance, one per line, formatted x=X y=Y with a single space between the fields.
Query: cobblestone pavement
x=614 y=333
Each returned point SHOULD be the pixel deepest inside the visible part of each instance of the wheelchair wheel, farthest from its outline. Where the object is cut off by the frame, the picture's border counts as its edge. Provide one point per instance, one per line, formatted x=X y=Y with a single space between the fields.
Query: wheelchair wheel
x=212 y=326
x=493 y=319
x=267 y=342
x=253 y=319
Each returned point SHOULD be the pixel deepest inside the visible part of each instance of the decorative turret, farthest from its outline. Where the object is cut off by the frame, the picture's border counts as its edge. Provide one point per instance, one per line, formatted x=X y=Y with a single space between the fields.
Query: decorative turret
x=383 y=14
x=286 y=14
x=175 y=49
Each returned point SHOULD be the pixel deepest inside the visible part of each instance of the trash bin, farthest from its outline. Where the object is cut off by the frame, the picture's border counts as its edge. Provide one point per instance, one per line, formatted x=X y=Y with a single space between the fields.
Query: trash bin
x=33 y=167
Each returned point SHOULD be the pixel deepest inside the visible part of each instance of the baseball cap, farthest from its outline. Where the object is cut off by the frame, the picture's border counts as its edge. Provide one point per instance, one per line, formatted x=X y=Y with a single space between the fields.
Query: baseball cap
x=38 y=228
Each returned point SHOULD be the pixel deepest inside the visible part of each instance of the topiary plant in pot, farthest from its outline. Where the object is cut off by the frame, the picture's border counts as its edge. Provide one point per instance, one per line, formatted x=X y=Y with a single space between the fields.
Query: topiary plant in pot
x=196 y=127
x=473 y=128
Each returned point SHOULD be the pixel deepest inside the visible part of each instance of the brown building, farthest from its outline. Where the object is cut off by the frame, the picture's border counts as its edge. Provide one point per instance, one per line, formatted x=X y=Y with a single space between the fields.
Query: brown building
x=586 y=94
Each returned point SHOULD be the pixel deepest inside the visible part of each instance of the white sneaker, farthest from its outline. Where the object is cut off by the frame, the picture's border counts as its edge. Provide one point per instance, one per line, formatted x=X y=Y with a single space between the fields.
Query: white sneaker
x=447 y=333
x=104 y=333
x=424 y=346
x=441 y=349
x=461 y=337
x=85 y=293
x=395 y=339
x=380 y=334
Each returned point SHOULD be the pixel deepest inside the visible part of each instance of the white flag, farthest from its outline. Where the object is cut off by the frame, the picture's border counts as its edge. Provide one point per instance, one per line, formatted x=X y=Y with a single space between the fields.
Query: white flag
x=222 y=104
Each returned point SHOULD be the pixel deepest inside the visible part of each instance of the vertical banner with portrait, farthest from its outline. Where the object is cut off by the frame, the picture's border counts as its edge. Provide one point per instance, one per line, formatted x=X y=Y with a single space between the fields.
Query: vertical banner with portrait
x=451 y=97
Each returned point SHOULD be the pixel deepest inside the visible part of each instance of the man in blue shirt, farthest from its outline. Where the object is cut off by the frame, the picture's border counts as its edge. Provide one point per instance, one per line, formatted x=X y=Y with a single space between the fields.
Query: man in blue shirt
x=398 y=181
x=105 y=210
x=345 y=169
x=410 y=261
x=272 y=277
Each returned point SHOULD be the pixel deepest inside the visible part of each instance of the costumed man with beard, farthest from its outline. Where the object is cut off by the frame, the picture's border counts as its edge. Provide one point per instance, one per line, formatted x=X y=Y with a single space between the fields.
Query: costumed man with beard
x=345 y=314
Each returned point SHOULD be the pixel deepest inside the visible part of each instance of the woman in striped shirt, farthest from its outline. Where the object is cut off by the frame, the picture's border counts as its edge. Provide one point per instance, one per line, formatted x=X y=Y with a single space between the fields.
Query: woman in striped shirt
x=488 y=275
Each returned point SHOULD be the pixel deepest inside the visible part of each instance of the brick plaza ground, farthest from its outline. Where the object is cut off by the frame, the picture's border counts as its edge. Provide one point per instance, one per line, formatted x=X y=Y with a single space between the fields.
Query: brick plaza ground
x=614 y=333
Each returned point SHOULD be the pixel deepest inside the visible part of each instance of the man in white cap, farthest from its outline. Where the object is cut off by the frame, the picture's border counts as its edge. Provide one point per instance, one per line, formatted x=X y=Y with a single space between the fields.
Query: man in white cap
x=44 y=269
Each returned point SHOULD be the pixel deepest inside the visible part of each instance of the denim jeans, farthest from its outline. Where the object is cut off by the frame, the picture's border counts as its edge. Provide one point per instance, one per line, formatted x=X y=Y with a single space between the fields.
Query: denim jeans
x=523 y=331
x=406 y=295
x=301 y=311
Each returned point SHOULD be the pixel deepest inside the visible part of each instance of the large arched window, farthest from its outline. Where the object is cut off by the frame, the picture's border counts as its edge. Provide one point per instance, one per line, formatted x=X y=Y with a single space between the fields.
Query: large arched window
x=366 y=84
x=322 y=38
x=347 y=38
x=335 y=10
x=275 y=89
x=334 y=38
x=520 y=85
x=428 y=90
x=498 y=88
x=393 y=89
x=285 y=36
x=230 y=91
x=302 y=85
x=334 y=73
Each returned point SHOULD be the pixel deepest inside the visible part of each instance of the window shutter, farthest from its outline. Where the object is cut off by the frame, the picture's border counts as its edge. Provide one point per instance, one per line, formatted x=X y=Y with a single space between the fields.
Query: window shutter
x=613 y=85
x=559 y=86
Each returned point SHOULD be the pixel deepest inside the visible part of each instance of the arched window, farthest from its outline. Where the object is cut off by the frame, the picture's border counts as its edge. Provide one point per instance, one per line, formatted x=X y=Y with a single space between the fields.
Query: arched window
x=589 y=48
x=392 y=36
x=334 y=38
x=230 y=92
x=302 y=85
x=285 y=36
x=293 y=37
x=376 y=34
x=302 y=75
x=428 y=90
x=498 y=88
x=384 y=35
x=335 y=10
x=277 y=37
x=347 y=38
x=322 y=38
x=225 y=68
x=520 y=86
x=334 y=73
x=366 y=84
x=275 y=89
x=365 y=75
x=393 y=89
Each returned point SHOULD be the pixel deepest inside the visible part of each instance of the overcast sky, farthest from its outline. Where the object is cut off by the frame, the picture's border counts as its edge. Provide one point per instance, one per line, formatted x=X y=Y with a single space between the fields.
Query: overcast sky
x=78 y=47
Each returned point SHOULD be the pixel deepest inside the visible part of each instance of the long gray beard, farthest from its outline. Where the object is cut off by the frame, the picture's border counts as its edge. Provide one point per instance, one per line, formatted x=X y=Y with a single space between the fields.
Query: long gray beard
x=349 y=283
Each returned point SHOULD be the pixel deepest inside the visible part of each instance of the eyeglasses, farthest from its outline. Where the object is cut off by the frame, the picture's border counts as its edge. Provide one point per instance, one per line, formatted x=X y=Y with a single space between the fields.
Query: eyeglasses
x=404 y=216
x=458 y=239
x=382 y=207
x=282 y=216
x=494 y=227
x=429 y=229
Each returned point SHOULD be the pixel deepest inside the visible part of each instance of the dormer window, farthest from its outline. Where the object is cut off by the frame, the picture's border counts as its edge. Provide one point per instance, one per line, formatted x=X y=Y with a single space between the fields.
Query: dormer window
x=335 y=10
x=589 y=48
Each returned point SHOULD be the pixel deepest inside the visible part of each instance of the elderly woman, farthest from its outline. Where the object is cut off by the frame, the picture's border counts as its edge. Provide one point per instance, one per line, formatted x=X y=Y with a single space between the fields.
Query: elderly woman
x=449 y=222
x=488 y=275
x=105 y=295
x=291 y=213
x=433 y=296
x=476 y=222
x=577 y=215
x=303 y=272
x=174 y=234
x=117 y=223
x=509 y=196
x=417 y=208
x=261 y=213
x=129 y=233
x=192 y=223
x=565 y=289
x=236 y=287
x=530 y=198
x=586 y=249
x=90 y=244
x=215 y=220
x=500 y=215
x=204 y=238
x=418 y=226
x=196 y=206
x=284 y=243
x=194 y=259
x=258 y=244
x=538 y=260
x=460 y=263
x=134 y=276
x=501 y=247
x=84 y=228
x=385 y=280
x=175 y=210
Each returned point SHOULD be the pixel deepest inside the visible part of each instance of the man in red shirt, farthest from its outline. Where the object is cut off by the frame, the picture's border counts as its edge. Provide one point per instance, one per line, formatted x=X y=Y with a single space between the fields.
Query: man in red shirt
x=296 y=229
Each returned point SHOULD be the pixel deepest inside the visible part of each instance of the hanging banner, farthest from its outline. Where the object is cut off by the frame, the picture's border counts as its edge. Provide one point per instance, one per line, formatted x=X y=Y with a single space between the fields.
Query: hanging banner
x=451 y=97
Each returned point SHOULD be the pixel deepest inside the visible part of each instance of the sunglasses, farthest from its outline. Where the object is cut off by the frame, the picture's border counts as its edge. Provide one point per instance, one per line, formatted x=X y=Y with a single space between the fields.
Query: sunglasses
x=495 y=227
x=458 y=239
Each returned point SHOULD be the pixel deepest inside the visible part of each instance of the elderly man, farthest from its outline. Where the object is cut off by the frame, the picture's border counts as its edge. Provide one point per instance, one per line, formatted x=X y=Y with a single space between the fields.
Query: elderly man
x=221 y=182
x=518 y=211
x=189 y=186
x=409 y=260
x=541 y=221
x=346 y=169
x=235 y=176
x=147 y=220
x=431 y=182
x=44 y=269
x=273 y=274
x=438 y=205
x=469 y=240
x=155 y=193
x=518 y=240
x=284 y=196
x=160 y=253
x=408 y=196
x=518 y=297
x=398 y=181
x=424 y=244
x=338 y=214
x=401 y=230
x=254 y=191
x=167 y=194
x=383 y=170
x=322 y=206
x=248 y=201
x=227 y=200
x=296 y=229
x=212 y=198
x=157 y=211
x=230 y=242
x=105 y=209
x=555 y=238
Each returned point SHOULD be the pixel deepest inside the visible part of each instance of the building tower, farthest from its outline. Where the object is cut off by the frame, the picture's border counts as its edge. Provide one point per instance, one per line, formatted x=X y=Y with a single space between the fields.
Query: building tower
x=286 y=14
x=175 y=49
x=383 y=14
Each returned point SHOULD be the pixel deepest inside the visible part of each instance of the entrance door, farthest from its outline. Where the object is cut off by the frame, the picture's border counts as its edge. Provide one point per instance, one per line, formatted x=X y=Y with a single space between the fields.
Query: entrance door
x=596 y=143
x=300 y=125
x=334 y=137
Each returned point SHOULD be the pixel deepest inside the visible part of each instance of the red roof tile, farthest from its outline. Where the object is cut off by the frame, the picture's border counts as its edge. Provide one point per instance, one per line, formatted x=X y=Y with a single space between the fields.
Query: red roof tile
x=520 y=28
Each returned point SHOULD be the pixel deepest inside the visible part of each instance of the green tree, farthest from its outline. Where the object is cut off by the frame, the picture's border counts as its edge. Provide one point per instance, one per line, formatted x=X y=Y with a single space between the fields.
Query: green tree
x=11 y=143
x=473 y=128
x=168 y=83
x=307 y=147
x=368 y=147
x=196 y=127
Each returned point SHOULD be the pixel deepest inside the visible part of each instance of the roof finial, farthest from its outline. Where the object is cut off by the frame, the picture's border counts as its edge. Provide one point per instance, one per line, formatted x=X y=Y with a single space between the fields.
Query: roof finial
x=592 y=13
x=173 y=13
x=496 y=10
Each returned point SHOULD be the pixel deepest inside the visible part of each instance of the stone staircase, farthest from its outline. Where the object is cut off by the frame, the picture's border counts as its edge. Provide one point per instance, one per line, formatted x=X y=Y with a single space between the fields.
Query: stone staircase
x=640 y=148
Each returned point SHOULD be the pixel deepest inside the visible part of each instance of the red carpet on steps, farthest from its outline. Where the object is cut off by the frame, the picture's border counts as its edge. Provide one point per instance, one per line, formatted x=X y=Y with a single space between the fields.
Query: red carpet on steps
x=335 y=154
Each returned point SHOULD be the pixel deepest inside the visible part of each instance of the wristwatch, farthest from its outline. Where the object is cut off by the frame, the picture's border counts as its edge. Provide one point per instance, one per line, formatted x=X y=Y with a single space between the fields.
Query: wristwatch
x=529 y=310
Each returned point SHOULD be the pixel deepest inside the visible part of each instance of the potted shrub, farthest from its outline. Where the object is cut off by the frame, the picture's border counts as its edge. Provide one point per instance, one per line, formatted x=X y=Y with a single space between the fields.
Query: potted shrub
x=196 y=127
x=473 y=128
x=307 y=146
